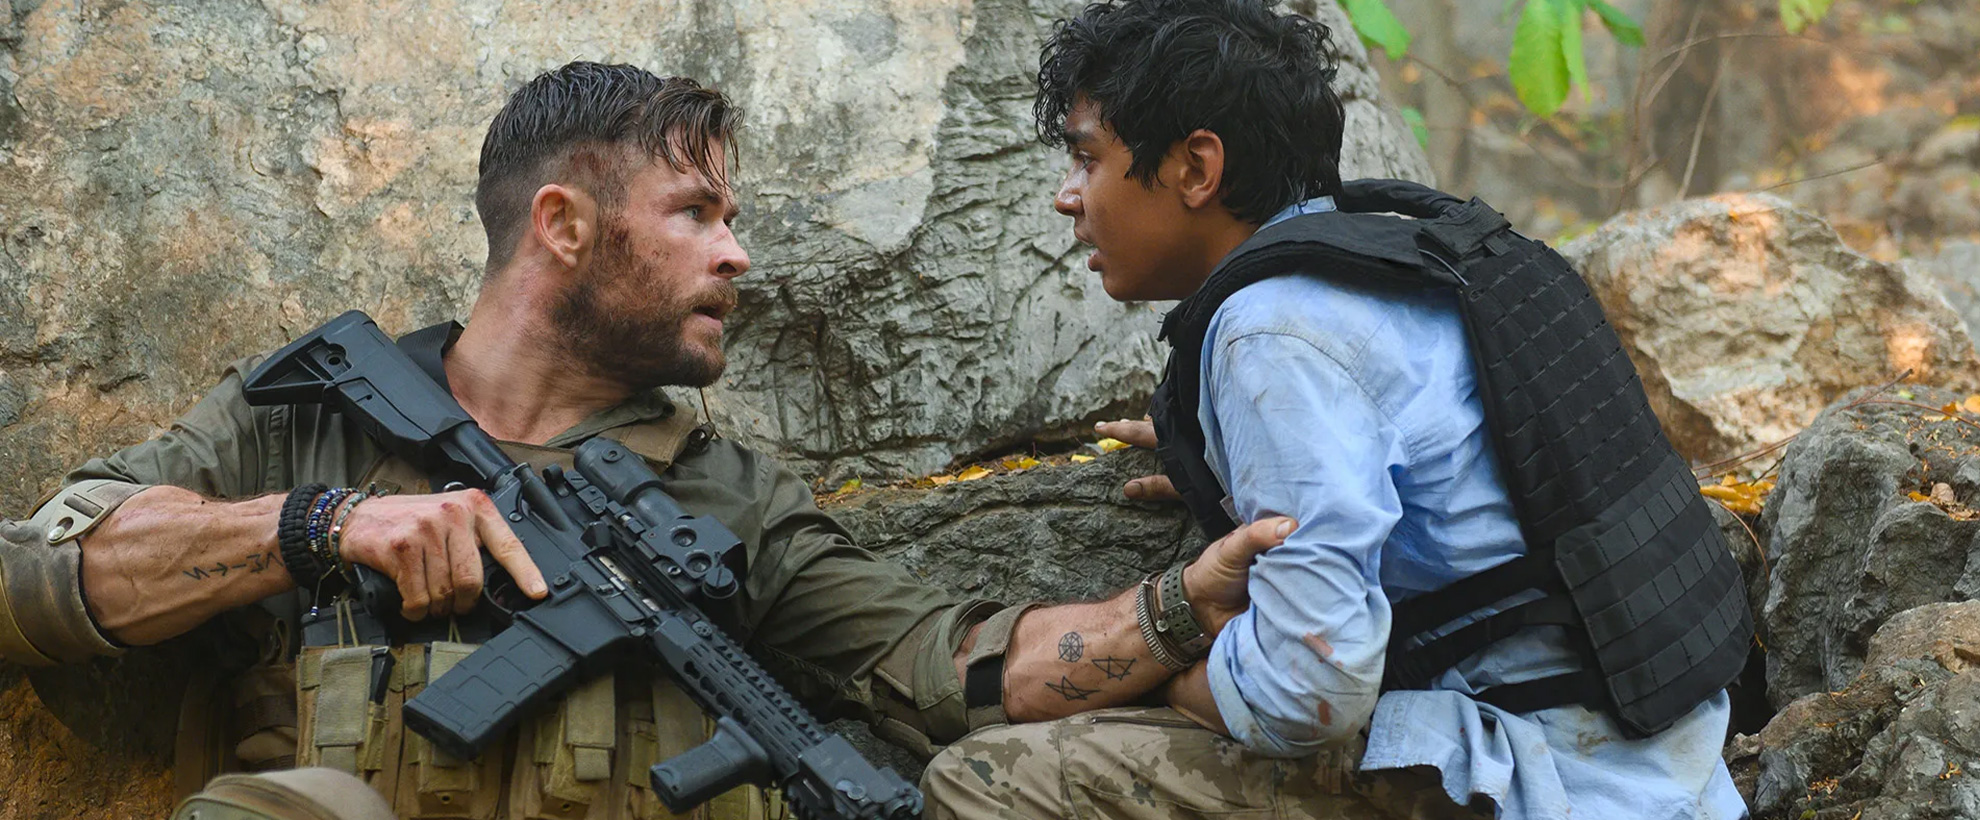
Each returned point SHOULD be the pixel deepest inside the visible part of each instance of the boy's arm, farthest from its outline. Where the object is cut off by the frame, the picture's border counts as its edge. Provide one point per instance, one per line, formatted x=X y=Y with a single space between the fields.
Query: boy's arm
x=1298 y=436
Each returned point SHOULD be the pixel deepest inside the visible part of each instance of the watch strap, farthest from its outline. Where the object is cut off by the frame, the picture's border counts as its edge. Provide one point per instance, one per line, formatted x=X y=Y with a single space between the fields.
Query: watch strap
x=1176 y=620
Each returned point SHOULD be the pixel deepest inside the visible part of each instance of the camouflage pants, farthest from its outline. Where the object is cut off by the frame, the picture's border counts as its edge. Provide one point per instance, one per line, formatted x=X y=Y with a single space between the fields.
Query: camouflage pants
x=1154 y=763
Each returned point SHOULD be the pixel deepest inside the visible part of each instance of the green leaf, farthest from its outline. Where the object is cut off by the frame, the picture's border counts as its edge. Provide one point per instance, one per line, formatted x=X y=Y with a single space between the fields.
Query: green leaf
x=1798 y=15
x=1538 y=69
x=1571 y=48
x=1378 y=26
x=1625 y=29
x=1417 y=126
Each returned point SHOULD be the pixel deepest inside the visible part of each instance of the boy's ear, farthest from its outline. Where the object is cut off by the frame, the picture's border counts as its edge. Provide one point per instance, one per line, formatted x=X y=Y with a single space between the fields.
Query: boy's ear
x=1201 y=159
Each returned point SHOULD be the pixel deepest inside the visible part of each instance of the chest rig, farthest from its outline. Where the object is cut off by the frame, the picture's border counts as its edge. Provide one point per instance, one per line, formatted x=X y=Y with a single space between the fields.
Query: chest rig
x=1621 y=549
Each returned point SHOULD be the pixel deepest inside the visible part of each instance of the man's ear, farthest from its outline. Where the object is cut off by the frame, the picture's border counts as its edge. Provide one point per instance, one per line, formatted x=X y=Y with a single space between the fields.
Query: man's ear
x=564 y=221
x=1201 y=160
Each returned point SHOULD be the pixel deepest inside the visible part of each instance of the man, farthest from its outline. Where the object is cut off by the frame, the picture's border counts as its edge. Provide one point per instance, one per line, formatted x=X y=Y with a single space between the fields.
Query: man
x=1191 y=125
x=606 y=197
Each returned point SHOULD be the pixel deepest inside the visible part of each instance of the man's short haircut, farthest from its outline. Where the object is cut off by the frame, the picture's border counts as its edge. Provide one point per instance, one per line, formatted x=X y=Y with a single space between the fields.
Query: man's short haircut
x=1160 y=69
x=585 y=123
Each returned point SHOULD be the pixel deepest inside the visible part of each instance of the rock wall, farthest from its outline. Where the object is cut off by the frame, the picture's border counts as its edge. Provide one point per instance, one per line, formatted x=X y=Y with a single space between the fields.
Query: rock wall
x=184 y=184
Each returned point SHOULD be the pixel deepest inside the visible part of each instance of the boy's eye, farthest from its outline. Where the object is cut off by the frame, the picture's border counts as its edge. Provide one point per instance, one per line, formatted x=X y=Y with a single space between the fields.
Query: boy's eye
x=694 y=211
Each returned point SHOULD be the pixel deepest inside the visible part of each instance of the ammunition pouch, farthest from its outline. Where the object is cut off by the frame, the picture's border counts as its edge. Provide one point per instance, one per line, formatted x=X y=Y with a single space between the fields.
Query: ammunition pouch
x=586 y=759
x=43 y=620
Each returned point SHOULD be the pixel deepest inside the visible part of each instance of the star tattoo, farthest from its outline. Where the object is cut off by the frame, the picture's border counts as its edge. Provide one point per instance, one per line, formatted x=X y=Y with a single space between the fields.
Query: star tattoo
x=1116 y=668
x=1069 y=690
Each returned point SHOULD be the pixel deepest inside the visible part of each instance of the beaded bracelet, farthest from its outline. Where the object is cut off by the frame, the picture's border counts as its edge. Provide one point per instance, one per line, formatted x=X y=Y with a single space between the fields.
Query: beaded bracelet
x=334 y=541
x=319 y=526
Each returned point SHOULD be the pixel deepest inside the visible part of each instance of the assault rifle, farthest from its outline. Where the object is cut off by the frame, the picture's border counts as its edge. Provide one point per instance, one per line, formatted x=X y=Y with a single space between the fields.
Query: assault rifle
x=626 y=566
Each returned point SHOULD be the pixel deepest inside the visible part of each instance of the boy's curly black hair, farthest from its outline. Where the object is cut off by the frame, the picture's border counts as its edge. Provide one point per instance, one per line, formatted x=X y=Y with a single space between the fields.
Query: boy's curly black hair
x=1160 y=69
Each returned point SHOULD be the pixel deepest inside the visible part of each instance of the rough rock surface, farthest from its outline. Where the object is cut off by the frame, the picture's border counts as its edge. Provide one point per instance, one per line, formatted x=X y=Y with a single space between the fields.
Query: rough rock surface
x=1746 y=316
x=1849 y=545
x=1902 y=740
x=1956 y=268
x=1052 y=533
x=181 y=185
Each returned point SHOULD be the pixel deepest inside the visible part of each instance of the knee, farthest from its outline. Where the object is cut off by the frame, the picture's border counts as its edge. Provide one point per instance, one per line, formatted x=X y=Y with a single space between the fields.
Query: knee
x=299 y=794
x=994 y=773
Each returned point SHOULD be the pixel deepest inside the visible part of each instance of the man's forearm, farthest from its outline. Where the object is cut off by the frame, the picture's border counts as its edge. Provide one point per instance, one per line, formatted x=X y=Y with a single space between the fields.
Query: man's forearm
x=1189 y=693
x=169 y=559
x=1077 y=657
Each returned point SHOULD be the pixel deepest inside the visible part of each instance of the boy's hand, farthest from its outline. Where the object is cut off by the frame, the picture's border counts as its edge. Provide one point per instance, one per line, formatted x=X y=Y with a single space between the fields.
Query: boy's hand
x=1140 y=434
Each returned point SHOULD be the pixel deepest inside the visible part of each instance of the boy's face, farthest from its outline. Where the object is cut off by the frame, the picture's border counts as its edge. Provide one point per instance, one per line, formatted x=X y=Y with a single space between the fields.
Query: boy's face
x=1141 y=234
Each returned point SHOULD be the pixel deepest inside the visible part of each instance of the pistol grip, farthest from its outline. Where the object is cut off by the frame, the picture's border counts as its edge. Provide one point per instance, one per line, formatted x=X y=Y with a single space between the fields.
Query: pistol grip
x=727 y=760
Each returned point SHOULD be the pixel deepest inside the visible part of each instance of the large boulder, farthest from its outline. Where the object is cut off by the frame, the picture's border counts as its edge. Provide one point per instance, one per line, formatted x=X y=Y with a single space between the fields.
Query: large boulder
x=1747 y=315
x=181 y=185
x=1876 y=512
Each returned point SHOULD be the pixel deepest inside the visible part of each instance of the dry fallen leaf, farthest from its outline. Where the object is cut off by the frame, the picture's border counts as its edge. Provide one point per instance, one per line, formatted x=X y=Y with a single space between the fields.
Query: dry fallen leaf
x=1081 y=459
x=941 y=479
x=1743 y=497
x=850 y=485
x=1971 y=404
x=1109 y=445
x=1020 y=463
x=972 y=474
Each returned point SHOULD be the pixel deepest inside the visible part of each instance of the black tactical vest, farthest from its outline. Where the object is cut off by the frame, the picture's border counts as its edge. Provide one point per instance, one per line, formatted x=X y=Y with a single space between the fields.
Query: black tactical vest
x=1621 y=548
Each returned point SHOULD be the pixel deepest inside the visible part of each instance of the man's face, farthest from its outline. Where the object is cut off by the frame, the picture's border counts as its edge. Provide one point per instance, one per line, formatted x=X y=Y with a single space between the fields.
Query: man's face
x=1139 y=232
x=648 y=308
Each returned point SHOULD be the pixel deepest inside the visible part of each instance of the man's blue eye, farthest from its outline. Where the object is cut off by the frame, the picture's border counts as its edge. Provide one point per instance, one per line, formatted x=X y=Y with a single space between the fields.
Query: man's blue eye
x=694 y=211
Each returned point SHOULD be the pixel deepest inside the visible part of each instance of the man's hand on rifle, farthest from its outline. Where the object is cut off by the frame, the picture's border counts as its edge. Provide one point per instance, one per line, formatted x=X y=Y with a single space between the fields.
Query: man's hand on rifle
x=430 y=545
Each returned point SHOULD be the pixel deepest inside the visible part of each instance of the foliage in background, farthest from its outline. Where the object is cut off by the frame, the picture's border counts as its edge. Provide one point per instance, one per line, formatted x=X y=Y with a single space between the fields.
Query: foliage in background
x=1548 y=59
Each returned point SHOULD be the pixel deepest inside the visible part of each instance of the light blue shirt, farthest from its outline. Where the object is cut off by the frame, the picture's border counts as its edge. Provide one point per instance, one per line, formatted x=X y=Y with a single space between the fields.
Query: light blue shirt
x=1356 y=413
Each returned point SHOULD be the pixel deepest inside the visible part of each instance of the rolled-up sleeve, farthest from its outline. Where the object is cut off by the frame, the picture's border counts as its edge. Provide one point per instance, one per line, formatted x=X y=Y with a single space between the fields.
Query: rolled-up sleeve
x=1292 y=433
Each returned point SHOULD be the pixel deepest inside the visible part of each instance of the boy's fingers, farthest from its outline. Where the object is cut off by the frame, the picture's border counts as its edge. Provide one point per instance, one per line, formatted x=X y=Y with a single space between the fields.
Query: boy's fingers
x=1152 y=488
x=1137 y=433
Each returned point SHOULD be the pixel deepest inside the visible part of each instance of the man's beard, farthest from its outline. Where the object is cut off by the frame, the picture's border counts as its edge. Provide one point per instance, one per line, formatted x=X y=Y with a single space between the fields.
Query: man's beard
x=618 y=328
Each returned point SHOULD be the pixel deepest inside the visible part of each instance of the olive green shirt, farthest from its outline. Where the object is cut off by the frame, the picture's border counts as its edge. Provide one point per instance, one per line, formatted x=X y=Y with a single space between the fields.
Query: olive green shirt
x=828 y=618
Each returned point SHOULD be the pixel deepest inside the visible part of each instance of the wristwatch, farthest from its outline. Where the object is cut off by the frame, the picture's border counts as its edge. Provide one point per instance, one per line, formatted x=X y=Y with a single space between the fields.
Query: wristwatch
x=1176 y=622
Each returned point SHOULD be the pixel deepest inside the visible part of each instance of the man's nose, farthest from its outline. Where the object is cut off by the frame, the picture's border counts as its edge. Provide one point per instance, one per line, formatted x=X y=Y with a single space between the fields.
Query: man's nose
x=730 y=258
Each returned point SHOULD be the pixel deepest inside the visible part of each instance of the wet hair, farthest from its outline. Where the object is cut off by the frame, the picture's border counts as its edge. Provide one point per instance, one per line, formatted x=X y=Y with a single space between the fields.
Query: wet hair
x=587 y=124
x=1160 y=69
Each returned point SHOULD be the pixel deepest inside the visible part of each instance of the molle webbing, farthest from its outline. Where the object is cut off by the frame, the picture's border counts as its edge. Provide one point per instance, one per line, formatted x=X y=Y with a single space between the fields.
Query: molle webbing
x=1622 y=551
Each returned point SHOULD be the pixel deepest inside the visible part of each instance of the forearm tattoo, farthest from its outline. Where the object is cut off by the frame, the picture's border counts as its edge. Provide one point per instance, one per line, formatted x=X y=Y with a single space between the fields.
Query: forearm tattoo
x=250 y=565
x=1069 y=690
x=1115 y=668
x=1071 y=647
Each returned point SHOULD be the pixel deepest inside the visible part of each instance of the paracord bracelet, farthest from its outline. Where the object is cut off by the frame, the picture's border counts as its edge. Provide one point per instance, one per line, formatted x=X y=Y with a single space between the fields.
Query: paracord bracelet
x=292 y=537
x=1144 y=615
